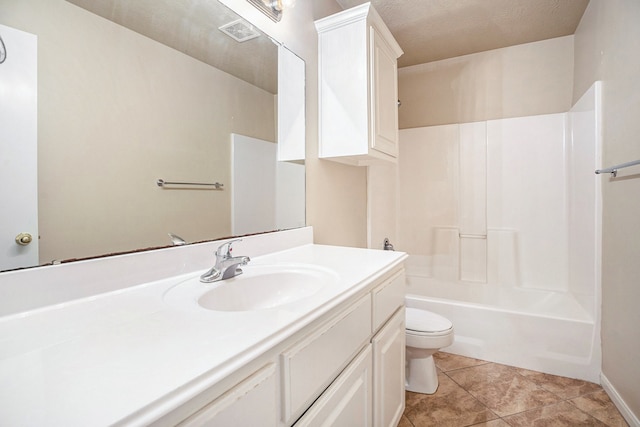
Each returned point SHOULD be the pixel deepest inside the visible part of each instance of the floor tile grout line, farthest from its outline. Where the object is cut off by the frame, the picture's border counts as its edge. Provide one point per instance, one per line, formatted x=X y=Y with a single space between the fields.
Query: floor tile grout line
x=464 y=367
x=538 y=383
x=568 y=400
x=561 y=399
x=525 y=378
x=584 y=412
x=472 y=396
x=587 y=413
x=503 y=418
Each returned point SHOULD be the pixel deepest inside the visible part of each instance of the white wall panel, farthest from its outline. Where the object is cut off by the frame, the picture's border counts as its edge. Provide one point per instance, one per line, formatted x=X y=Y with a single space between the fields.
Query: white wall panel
x=526 y=190
x=428 y=188
x=585 y=210
x=473 y=178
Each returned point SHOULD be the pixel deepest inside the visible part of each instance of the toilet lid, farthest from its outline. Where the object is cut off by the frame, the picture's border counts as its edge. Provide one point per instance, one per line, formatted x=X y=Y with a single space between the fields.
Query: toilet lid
x=426 y=321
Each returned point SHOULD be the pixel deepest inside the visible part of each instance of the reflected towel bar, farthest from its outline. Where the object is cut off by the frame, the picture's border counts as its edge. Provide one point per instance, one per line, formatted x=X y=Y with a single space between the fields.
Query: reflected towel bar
x=614 y=169
x=216 y=185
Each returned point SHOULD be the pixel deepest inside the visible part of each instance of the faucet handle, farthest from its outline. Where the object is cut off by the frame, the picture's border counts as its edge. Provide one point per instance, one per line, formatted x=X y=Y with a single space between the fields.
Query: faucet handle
x=226 y=248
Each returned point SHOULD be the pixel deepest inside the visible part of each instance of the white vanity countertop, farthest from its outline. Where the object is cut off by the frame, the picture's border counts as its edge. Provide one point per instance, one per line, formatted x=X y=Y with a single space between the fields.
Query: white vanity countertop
x=128 y=356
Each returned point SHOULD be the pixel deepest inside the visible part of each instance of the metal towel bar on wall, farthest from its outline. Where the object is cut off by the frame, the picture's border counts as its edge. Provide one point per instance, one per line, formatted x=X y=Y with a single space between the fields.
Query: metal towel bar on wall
x=613 y=170
x=215 y=185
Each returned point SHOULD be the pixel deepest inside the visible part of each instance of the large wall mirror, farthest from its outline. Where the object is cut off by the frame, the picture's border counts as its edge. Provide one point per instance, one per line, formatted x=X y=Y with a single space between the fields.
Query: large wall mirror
x=130 y=92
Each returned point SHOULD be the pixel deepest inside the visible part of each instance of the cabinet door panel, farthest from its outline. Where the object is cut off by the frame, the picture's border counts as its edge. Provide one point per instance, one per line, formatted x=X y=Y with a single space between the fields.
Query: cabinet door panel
x=347 y=402
x=389 y=372
x=385 y=90
x=291 y=108
x=343 y=119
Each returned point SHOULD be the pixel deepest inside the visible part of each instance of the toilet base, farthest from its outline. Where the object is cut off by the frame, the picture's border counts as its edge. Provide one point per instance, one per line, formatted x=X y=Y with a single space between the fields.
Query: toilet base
x=421 y=375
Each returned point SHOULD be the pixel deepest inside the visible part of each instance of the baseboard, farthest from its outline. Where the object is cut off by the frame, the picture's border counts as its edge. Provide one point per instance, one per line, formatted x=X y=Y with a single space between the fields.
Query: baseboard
x=617 y=400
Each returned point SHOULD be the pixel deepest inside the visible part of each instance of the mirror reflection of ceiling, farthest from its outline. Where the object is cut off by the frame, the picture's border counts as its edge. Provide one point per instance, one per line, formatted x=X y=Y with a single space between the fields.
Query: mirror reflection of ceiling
x=191 y=27
x=431 y=30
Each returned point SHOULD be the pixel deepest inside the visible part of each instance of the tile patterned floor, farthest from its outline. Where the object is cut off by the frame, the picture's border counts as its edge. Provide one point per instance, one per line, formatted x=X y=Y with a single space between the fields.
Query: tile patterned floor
x=474 y=392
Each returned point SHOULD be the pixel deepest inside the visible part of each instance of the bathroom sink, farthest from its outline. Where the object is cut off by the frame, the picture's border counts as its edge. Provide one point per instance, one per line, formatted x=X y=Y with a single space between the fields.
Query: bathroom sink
x=260 y=287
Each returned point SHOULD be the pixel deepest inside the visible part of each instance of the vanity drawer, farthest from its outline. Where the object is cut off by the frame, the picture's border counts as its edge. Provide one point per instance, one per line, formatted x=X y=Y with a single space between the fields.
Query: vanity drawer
x=387 y=297
x=253 y=401
x=313 y=363
x=347 y=402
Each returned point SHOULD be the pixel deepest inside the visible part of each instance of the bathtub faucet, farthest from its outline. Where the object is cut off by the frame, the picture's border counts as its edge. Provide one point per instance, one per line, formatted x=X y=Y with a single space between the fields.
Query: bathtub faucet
x=226 y=266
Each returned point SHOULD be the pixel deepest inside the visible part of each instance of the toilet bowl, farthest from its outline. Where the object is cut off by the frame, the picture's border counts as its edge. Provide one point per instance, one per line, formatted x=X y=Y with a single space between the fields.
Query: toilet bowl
x=426 y=333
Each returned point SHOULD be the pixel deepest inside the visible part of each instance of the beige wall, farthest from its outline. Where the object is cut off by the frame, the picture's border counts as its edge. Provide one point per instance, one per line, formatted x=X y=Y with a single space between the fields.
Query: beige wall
x=336 y=193
x=117 y=111
x=523 y=80
x=607 y=48
x=382 y=202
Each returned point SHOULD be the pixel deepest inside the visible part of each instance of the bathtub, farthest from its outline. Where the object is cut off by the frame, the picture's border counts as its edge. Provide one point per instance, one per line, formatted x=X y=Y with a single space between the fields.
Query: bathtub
x=546 y=331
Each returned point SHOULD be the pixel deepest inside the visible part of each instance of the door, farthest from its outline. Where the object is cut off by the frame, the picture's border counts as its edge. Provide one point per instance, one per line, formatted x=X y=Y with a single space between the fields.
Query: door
x=18 y=149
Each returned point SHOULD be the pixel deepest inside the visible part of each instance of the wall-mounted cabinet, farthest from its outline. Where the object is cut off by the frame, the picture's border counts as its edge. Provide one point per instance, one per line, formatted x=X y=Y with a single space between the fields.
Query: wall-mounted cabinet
x=358 y=87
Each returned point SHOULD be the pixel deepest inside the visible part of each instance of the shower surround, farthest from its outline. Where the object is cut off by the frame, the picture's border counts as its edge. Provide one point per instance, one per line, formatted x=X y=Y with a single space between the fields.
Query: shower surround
x=502 y=222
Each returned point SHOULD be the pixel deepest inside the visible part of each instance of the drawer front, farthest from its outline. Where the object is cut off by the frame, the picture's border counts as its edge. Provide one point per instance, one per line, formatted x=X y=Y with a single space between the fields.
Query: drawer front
x=250 y=403
x=387 y=298
x=347 y=402
x=312 y=364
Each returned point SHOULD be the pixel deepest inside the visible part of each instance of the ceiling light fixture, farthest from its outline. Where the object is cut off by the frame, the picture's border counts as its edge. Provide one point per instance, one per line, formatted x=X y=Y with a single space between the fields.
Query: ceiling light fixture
x=272 y=8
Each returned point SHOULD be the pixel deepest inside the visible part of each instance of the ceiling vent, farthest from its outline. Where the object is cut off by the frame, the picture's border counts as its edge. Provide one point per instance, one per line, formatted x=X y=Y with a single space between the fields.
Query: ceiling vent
x=240 y=30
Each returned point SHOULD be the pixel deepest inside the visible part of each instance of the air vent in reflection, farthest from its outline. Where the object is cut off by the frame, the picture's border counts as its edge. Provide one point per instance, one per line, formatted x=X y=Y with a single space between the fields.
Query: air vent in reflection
x=239 y=30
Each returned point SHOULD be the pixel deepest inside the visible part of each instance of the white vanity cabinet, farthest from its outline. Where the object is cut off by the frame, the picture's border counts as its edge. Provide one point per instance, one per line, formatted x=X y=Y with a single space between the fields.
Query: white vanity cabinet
x=358 y=87
x=370 y=390
x=344 y=369
x=318 y=344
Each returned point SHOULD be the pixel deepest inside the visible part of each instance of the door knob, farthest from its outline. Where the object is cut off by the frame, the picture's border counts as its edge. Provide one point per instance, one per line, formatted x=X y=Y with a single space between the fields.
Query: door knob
x=23 y=239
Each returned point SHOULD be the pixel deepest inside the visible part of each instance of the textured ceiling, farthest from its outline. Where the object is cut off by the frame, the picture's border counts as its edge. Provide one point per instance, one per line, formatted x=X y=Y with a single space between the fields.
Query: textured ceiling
x=427 y=30
x=191 y=26
x=430 y=30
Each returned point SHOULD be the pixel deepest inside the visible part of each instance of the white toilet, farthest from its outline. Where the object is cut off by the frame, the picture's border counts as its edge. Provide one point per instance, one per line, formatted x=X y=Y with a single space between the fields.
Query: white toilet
x=426 y=333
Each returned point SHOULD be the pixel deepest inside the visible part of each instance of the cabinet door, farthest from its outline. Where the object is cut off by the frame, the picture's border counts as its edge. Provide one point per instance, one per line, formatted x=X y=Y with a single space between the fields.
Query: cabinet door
x=389 y=372
x=347 y=402
x=250 y=403
x=291 y=108
x=384 y=68
x=313 y=363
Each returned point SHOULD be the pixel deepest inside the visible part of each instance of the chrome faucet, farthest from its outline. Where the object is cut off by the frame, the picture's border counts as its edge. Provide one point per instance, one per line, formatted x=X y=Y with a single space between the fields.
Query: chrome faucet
x=226 y=266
